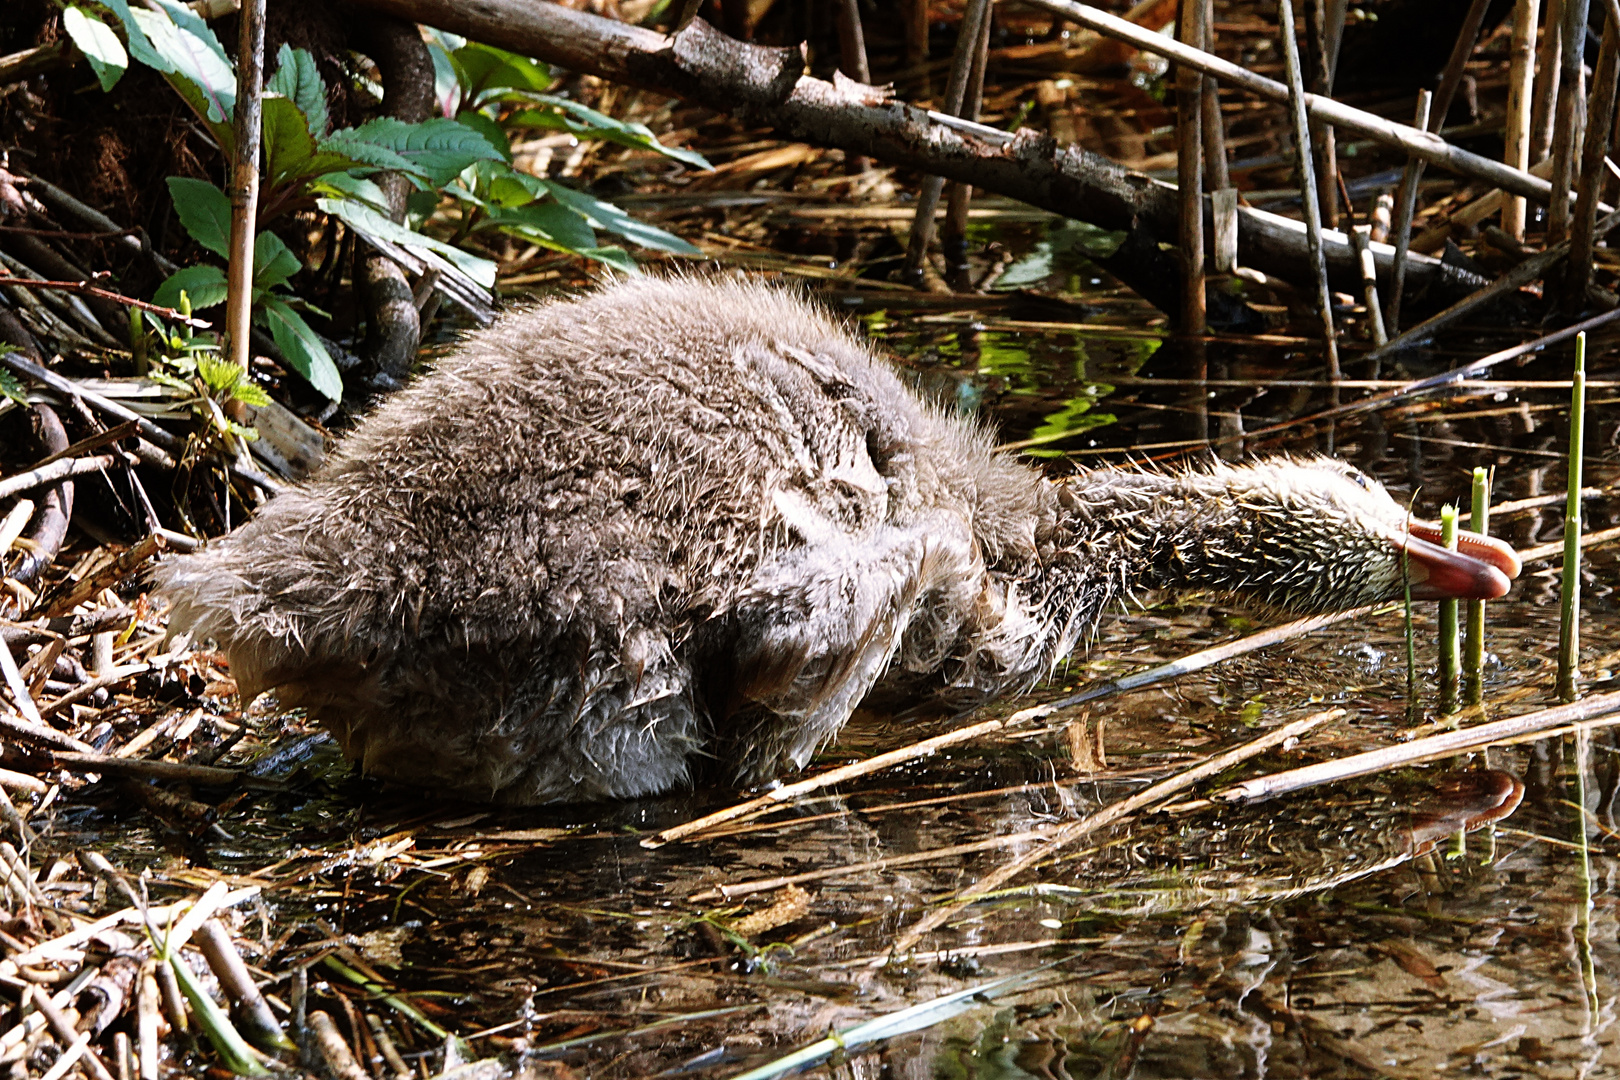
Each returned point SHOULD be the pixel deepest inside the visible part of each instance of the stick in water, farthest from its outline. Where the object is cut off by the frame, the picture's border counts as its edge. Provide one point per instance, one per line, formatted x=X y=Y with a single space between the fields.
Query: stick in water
x=1474 y=646
x=1569 y=623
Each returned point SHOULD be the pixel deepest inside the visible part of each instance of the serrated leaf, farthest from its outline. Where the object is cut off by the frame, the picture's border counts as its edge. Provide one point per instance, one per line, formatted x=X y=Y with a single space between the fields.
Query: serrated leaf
x=298 y=80
x=492 y=132
x=367 y=221
x=204 y=211
x=204 y=284
x=437 y=150
x=99 y=44
x=605 y=215
x=289 y=149
x=561 y=114
x=346 y=149
x=251 y=393
x=11 y=387
x=301 y=347
x=273 y=263
x=218 y=375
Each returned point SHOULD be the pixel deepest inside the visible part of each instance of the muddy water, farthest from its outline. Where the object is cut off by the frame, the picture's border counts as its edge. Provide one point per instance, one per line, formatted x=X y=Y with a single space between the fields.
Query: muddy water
x=1349 y=931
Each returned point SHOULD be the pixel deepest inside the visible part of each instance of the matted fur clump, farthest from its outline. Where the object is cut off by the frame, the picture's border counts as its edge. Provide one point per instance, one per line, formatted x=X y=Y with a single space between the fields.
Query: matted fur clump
x=679 y=529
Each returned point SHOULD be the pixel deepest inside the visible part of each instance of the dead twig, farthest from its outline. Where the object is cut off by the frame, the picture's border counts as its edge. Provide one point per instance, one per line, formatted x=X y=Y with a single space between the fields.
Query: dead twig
x=105 y=294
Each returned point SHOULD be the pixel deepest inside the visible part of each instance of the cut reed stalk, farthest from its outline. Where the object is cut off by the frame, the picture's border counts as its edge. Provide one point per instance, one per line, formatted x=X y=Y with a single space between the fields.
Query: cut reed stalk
x=1569 y=624
x=1474 y=645
x=1405 y=206
x=1307 y=183
x=1189 y=170
x=1448 y=621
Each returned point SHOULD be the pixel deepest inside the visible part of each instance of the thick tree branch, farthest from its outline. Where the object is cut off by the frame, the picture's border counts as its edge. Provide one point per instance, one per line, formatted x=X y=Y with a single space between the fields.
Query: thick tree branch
x=768 y=86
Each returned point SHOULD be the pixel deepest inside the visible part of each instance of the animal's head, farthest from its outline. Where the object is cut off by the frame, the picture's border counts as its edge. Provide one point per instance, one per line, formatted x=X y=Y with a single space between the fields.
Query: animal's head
x=1302 y=536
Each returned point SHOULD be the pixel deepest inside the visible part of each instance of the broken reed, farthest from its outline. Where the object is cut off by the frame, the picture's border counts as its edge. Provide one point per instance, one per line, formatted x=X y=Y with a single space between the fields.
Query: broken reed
x=1448 y=620
x=1569 y=624
x=1479 y=521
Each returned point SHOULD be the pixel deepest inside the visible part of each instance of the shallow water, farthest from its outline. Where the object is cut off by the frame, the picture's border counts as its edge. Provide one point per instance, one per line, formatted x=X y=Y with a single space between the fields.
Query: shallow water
x=1310 y=936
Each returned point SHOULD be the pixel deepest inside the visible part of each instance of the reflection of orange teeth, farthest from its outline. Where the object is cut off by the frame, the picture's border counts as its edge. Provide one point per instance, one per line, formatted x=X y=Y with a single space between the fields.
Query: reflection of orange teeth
x=1482 y=567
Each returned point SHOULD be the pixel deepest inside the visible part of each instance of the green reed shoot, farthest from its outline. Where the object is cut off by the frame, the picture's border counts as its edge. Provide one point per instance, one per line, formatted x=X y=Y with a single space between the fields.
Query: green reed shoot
x=1569 y=621
x=1448 y=620
x=1474 y=641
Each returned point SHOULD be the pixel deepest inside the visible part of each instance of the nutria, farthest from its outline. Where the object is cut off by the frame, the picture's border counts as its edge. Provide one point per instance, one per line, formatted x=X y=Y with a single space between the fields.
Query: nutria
x=677 y=529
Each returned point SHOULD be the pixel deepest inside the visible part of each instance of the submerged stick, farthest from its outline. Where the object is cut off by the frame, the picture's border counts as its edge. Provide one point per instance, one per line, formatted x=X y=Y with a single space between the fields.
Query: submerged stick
x=1109 y=815
x=1448 y=620
x=1189 y=175
x=1569 y=619
x=1417 y=751
x=1474 y=648
x=1186 y=665
x=1300 y=120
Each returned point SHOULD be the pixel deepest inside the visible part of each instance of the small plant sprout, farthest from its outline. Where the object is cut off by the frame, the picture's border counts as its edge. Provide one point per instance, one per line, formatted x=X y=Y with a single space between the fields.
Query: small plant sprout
x=1448 y=620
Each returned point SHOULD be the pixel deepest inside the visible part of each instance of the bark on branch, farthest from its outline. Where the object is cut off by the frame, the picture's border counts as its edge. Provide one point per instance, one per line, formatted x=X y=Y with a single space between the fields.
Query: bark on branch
x=768 y=86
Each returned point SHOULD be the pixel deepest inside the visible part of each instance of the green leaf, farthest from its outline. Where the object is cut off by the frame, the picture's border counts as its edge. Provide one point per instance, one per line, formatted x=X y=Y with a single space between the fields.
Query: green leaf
x=298 y=80
x=99 y=44
x=605 y=215
x=344 y=186
x=616 y=257
x=12 y=387
x=219 y=375
x=273 y=264
x=289 y=149
x=139 y=47
x=301 y=347
x=367 y=221
x=204 y=211
x=232 y=1048
x=546 y=222
x=436 y=150
x=484 y=68
x=251 y=393
x=203 y=283
x=561 y=114
x=192 y=55
x=492 y=132
x=347 y=150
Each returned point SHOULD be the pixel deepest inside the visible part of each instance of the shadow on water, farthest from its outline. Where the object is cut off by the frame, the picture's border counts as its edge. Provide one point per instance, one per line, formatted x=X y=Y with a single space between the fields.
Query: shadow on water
x=1351 y=931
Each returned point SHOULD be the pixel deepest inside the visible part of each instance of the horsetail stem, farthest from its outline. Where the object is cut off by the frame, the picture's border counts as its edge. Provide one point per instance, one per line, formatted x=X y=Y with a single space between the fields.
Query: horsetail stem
x=1569 y=624
x=1448 y=620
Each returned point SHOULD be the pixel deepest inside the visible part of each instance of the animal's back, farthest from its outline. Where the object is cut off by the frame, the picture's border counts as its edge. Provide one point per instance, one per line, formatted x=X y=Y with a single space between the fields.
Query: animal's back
x=509 y=578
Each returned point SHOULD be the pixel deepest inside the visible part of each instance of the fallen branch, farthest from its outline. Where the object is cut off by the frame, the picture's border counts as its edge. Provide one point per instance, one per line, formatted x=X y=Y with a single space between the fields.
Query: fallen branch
x=65 y=469
x=91 y=290
x=767 y=86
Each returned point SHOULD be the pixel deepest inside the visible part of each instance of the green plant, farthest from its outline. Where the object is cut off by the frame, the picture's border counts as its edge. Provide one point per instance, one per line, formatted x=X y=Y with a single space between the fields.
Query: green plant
x=189 y=362
x=308 y=166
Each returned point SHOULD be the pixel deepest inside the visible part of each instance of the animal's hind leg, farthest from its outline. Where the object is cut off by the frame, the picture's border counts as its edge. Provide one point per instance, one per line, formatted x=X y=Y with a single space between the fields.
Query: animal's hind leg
x=820 y=623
